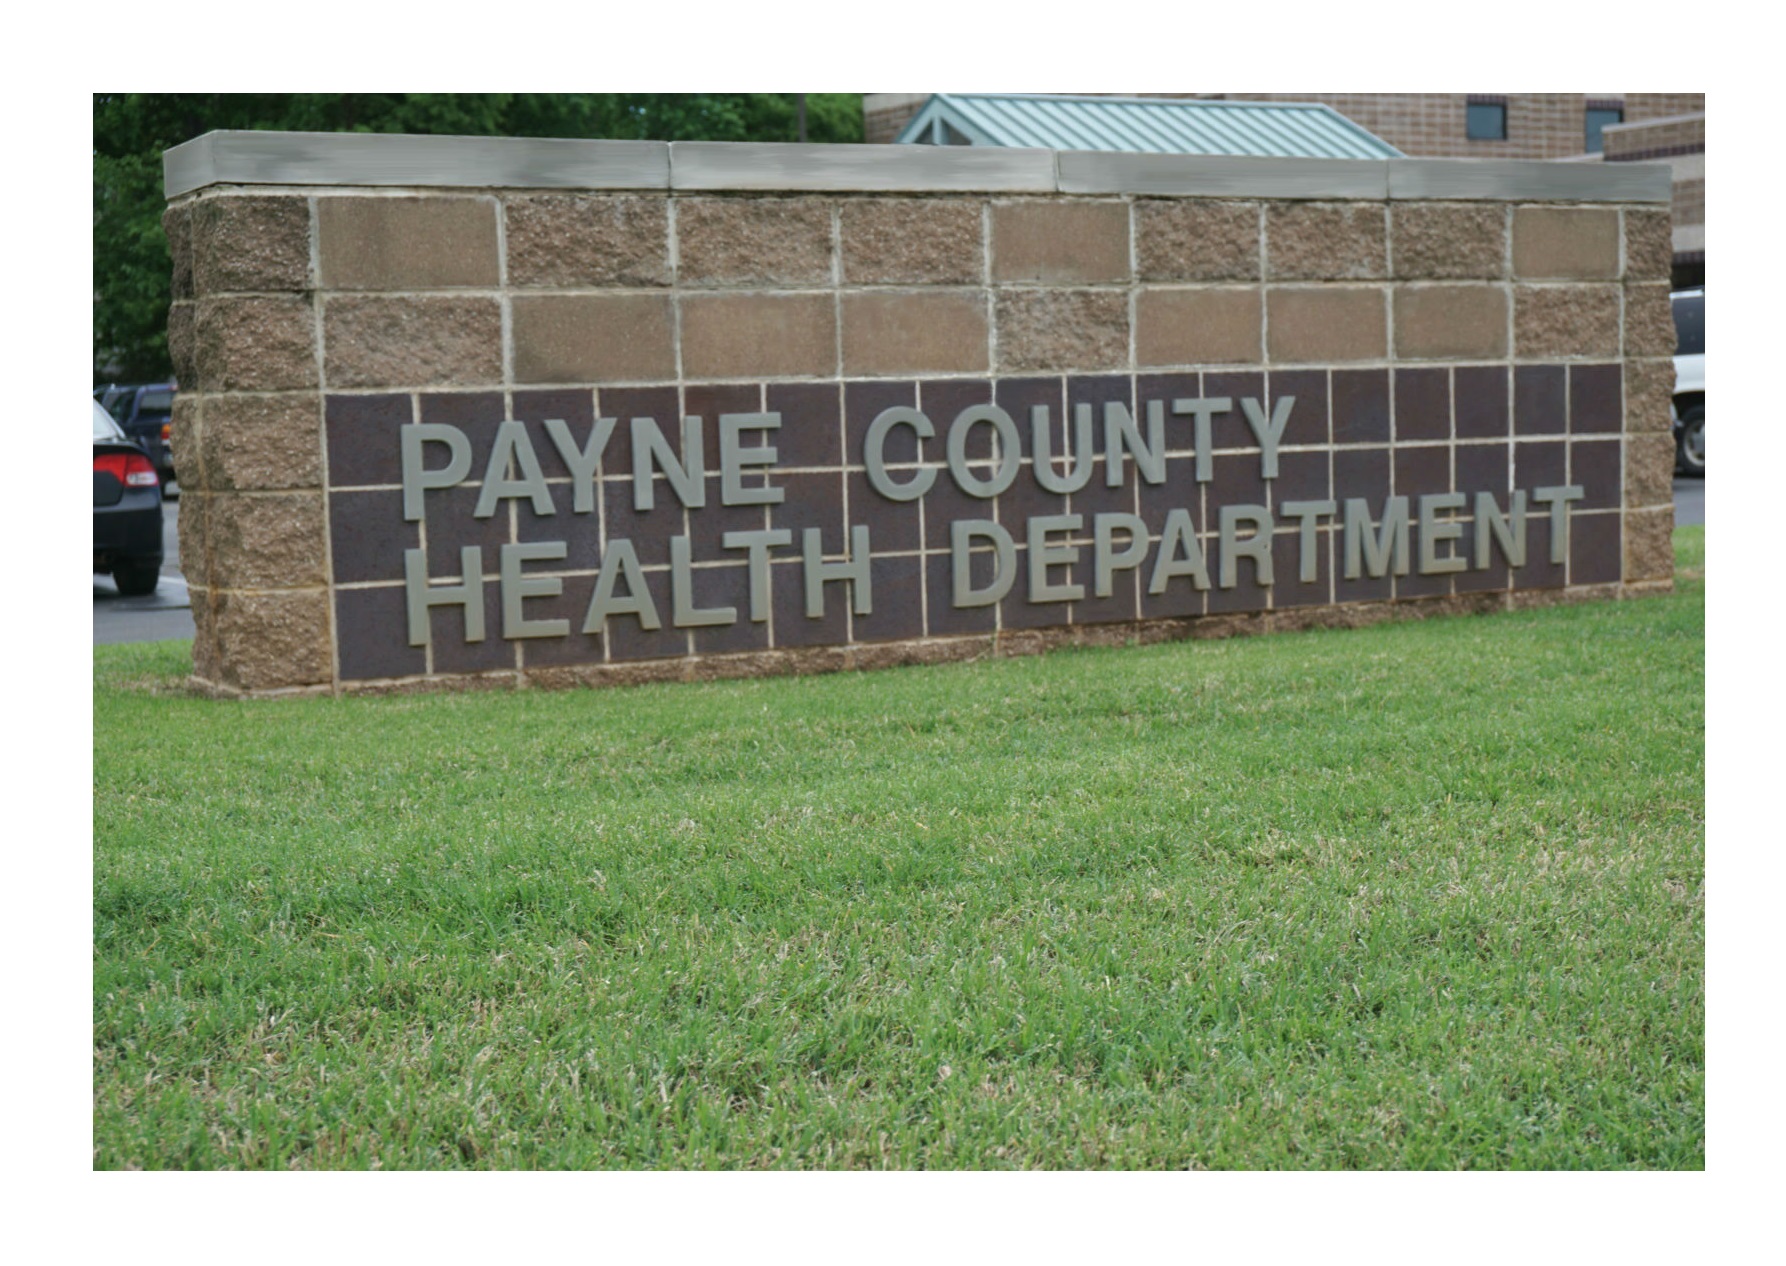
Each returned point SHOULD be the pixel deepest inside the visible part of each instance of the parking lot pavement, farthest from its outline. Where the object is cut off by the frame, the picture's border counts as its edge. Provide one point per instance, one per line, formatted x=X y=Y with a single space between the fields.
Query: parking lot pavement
x=166 y=613
x=1689 y=501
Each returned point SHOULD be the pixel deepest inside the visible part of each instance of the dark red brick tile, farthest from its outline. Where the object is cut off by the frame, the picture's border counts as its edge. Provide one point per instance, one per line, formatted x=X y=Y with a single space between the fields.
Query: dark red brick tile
x=372 y=635
x=811 y=431
x=1361 y=472
x=946 y=619
x=1540 y=401
x=1484 y=468
x=1597 y=465
x=453 y=654
x=1596 y=405
x=363 y=439
x=897 y=592
x=627 y=636
x=1422 y=404
x=367 y=535
x=1481 y=401
x=1595 y=549
x=1360 y=406
x=1422 y=470
x=727 y=587
x=1308 y=416
x=575 y=408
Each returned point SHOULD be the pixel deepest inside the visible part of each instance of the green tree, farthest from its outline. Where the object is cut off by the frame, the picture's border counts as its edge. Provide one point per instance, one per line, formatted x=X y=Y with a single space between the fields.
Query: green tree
x=131 y=266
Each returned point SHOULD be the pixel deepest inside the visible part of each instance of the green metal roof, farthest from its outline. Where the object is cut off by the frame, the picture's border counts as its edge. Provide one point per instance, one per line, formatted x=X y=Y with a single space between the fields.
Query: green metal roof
x=1145 y=125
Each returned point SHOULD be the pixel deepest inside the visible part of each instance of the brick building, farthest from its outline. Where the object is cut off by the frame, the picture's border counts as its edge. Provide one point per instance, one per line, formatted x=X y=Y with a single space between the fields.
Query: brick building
x=1579 y=127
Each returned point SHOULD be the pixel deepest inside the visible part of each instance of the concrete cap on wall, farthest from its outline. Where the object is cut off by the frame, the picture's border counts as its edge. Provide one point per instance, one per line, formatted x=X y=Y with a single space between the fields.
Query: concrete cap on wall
x=485 y=162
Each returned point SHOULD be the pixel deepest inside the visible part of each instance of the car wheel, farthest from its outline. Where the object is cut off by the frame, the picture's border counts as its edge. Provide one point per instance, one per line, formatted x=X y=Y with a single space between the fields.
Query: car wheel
x=136 y=580
x=1690 y=448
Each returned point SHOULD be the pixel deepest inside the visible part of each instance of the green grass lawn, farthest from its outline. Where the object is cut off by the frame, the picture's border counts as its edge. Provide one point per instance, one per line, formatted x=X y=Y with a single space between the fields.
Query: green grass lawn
x=1424 y=894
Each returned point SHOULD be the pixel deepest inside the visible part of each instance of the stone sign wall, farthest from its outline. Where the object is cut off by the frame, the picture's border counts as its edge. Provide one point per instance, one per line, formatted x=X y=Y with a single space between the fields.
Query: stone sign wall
x=491 y=412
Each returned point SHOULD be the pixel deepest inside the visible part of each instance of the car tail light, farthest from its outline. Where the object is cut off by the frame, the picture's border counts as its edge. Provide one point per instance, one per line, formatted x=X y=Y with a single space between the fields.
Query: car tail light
x=133 y=470
x=167 y=430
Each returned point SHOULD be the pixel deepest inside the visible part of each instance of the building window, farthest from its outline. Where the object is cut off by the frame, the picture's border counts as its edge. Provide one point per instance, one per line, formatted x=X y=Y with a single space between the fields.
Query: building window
x=1601 y=114
x=1485 y=119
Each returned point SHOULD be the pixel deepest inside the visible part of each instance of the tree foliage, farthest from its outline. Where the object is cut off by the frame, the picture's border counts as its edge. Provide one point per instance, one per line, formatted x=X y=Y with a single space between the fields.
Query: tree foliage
x=130 y=258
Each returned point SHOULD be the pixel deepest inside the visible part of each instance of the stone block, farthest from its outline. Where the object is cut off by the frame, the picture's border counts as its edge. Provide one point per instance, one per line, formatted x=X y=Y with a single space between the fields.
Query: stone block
x=193 y=516
x=1060 y=242
x=1557 y=321
x=271 y=641
x=182 y=335
x=1057 y=330
x=184 y=435
x=254 y=343
x=1649 y=320
x=753 y=242
x=204 y=628
x=1191 y=239
x=1649 y=470
x=1649 y=544
x=1649 y=244
x=1326 y=241
x=176 y=225
x=260 y=443
x=1319 y=324
x=593 y=338
x=587 y=240
x=912 y=241
x=1439 y=240
x=1565 y=243
x=250 y=242
x=1450 y=322
x=1197 y=326
x=407 y=243
x=758 y=335
x=381 y=341
x=266 y=540
x=892 y=332
x=1649 y=395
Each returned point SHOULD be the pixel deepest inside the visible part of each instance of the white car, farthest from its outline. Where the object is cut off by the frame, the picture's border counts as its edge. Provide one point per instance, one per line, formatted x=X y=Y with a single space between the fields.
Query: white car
x=1689 y=381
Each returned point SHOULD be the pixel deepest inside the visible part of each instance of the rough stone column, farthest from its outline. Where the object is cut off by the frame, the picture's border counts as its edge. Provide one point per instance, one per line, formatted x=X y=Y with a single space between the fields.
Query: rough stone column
x=1649 y=389
x=248 y=440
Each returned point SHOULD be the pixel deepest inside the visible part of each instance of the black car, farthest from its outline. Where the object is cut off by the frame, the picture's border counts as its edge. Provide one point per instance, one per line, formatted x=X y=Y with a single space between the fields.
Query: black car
x=146 y=415
x=126 y=509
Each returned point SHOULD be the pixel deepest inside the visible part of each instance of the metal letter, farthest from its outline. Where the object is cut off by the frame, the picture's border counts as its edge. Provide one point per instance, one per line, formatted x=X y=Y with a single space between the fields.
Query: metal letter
x=758 y=543
x=1042 y=556
x=512 y=441
x=1043 y=444
x=1201 y=411
x=420 y=595
x=733 y=460
x=687 y=476
x=1009 y=450
x=1432 y=532
x=961 y=590
x=1179 y=534
x=684 y=614
x=872 y=458
x=854 y=569
x=416 y=478
x=1375 y=553
x=1307 y=512
x=1268 y=432
x=581 y=462
x=1256 y=547
x=1558 y=499
x=1122 y=435
x=1512 y=540
x=621 y=560
x=1105 y=560
x=517 y=587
